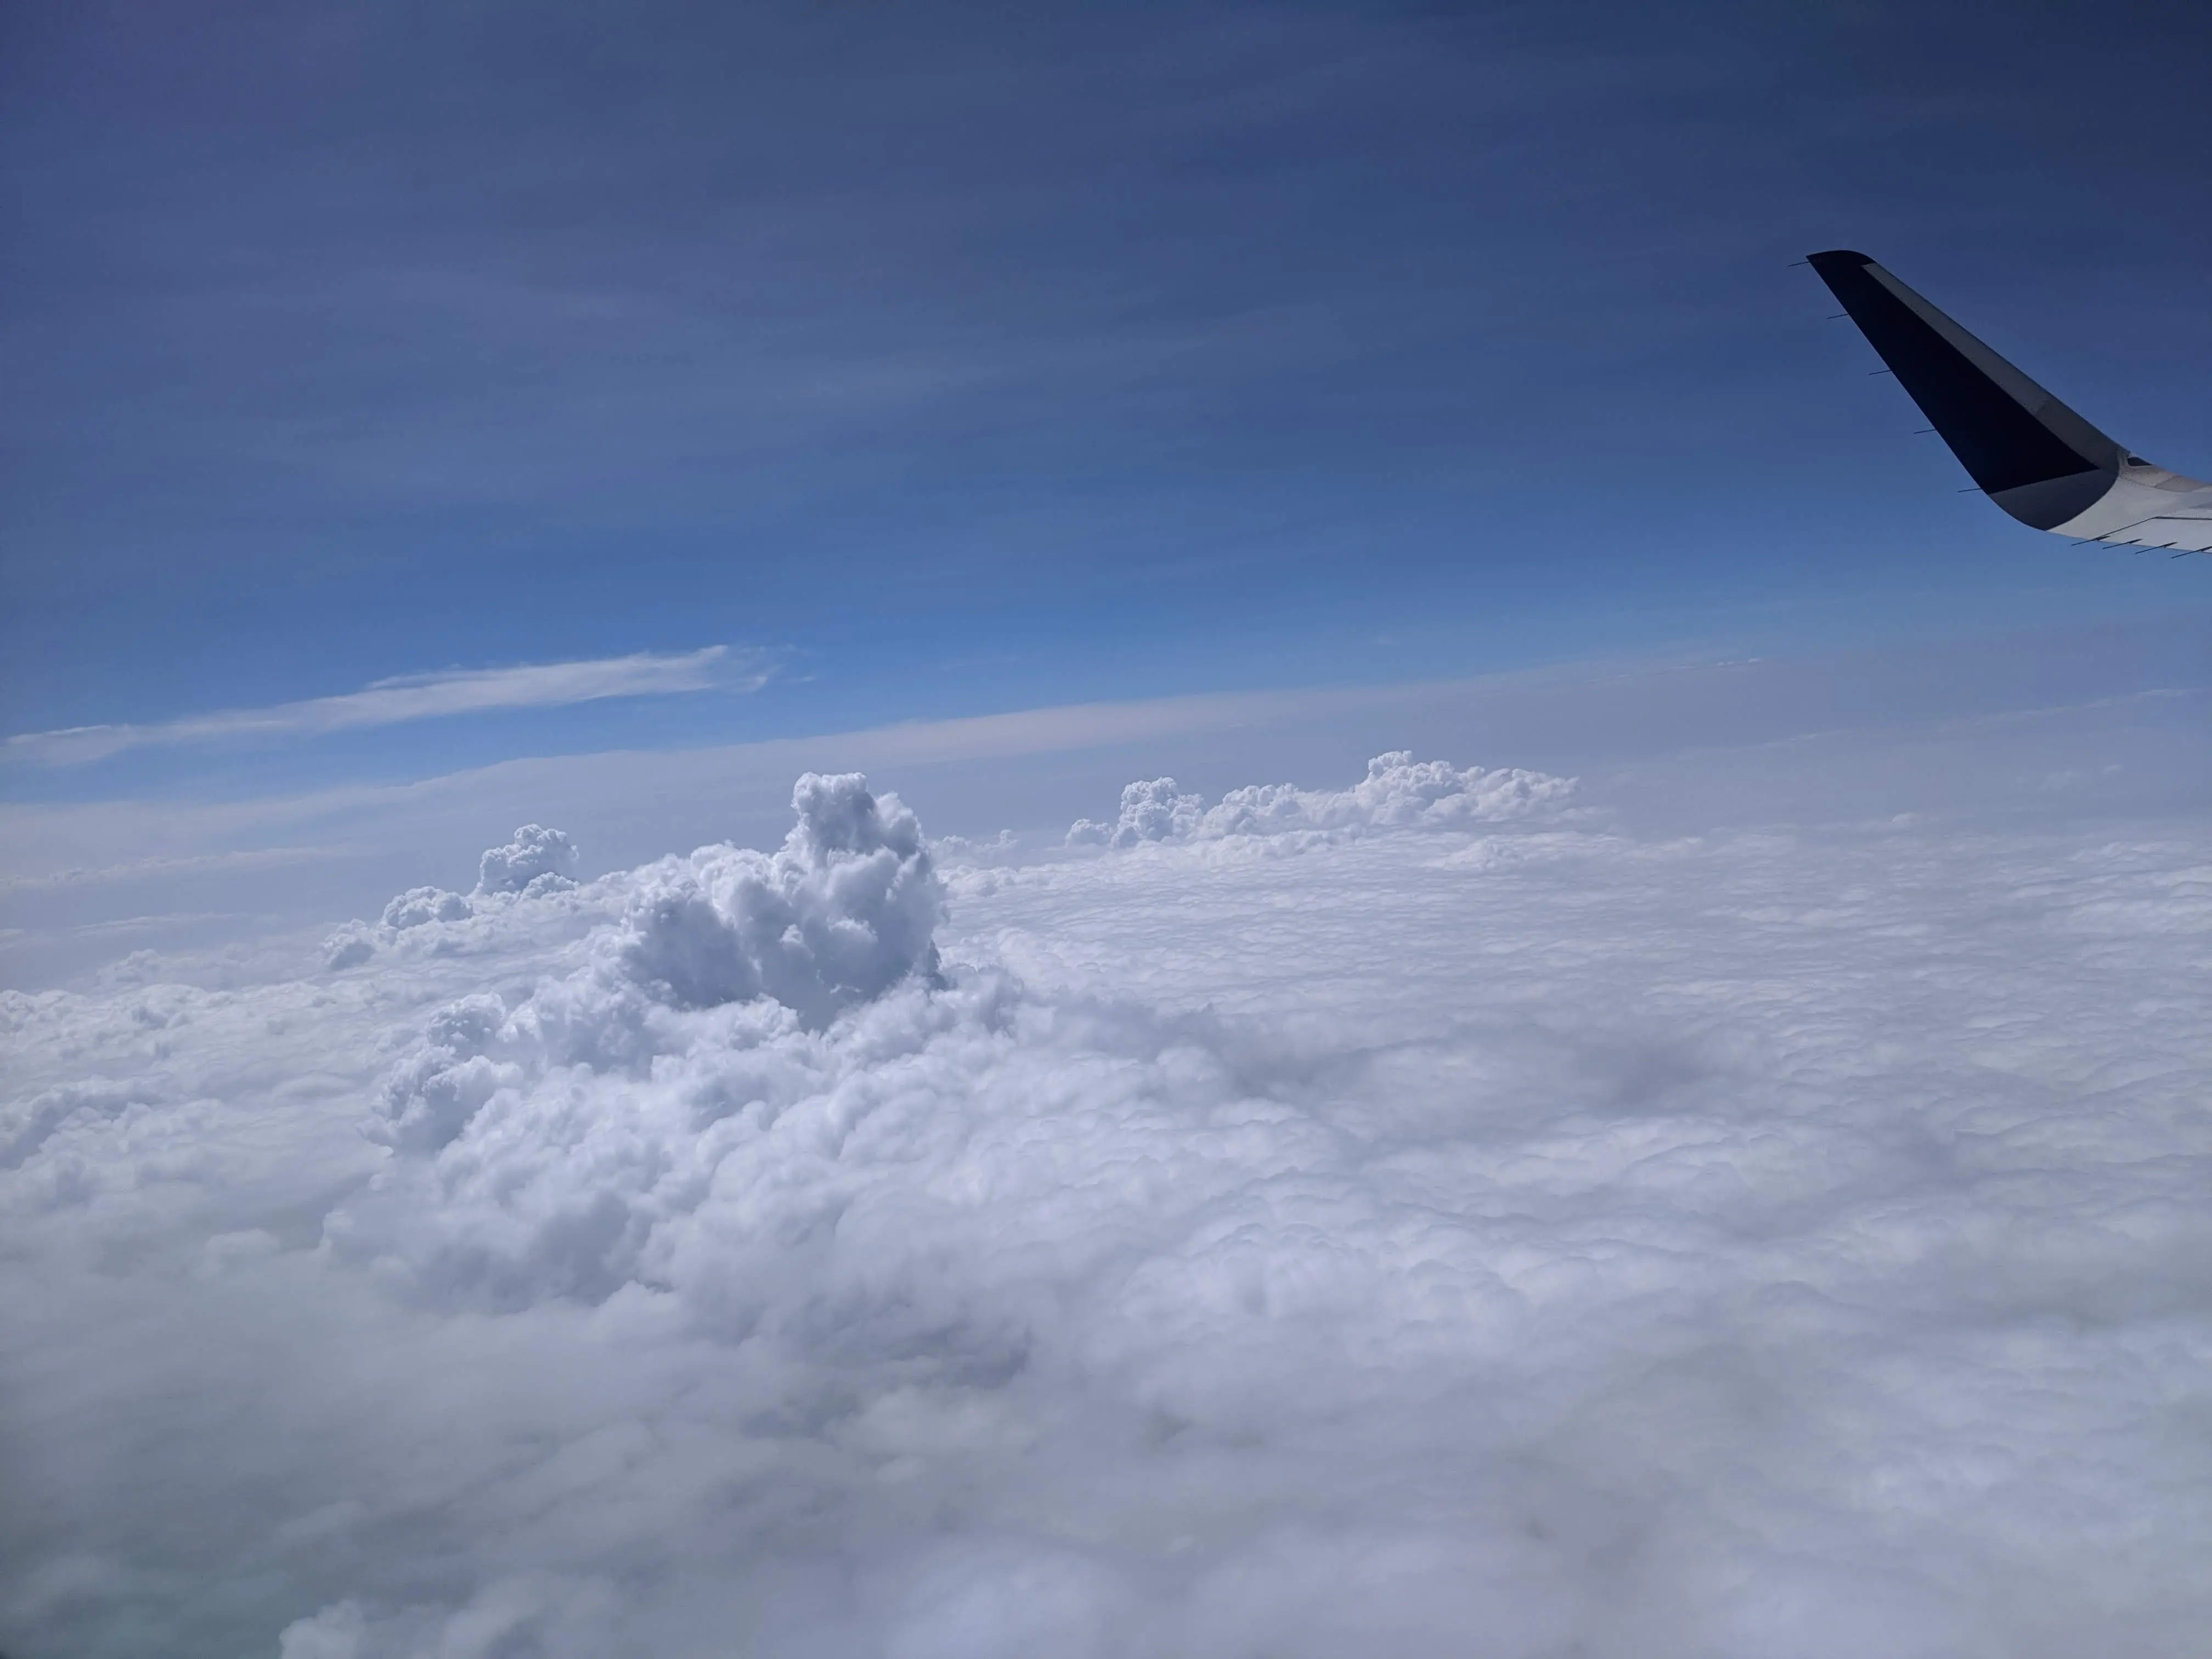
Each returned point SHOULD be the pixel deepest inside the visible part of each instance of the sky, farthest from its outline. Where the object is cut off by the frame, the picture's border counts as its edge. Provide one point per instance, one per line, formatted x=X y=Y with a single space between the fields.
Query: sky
x=946 y=359
x=930 y=831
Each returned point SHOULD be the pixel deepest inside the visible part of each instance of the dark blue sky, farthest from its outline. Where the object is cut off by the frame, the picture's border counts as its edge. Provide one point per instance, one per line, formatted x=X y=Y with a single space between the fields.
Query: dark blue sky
x=978 y=356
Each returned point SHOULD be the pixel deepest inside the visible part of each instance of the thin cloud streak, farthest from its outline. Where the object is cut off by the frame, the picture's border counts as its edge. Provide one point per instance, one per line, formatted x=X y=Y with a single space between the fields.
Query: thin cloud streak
x=416 y=697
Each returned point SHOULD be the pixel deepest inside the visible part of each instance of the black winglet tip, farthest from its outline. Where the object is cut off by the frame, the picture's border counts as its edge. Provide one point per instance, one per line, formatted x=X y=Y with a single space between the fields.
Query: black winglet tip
x=1837 y=256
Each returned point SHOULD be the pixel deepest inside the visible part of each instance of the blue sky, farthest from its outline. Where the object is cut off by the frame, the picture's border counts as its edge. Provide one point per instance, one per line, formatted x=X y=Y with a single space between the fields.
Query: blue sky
x=951 y=359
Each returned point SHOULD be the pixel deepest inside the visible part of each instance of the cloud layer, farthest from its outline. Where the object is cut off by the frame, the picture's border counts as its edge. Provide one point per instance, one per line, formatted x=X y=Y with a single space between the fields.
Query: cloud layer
x=1368 y=1224
x=1398 y=793
x=413 y=697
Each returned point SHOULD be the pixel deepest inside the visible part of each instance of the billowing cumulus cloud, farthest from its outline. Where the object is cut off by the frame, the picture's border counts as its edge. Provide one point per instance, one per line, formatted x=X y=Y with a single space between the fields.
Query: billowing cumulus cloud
x=538 y=858
x=1406 y=1219
x=537 y=861
x=1398 y=793
x=846 y=908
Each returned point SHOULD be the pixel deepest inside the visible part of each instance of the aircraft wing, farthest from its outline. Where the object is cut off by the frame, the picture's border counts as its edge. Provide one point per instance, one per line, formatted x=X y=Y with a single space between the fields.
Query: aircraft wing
x=2026 y=451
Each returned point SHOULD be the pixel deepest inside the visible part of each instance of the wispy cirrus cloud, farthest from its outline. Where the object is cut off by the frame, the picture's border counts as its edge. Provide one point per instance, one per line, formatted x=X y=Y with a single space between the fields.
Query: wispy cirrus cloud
x=416 y=697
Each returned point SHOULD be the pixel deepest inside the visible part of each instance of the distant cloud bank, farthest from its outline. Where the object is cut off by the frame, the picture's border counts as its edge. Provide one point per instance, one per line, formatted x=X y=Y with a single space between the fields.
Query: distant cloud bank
x=1398 y=793
x=416 y=697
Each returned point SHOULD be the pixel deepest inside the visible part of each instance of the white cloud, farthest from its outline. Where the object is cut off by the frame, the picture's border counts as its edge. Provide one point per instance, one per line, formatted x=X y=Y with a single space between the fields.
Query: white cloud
x=1154 y=809
x=419 y=906
x=1377 y=1229
x=535 y=855
x=1946 y=730
x=415 y=697
x=537 y=861
x=1397 y=792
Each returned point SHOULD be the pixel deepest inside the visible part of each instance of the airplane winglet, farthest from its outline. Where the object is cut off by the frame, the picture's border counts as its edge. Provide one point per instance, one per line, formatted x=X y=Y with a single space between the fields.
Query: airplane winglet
x=2028 y=452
